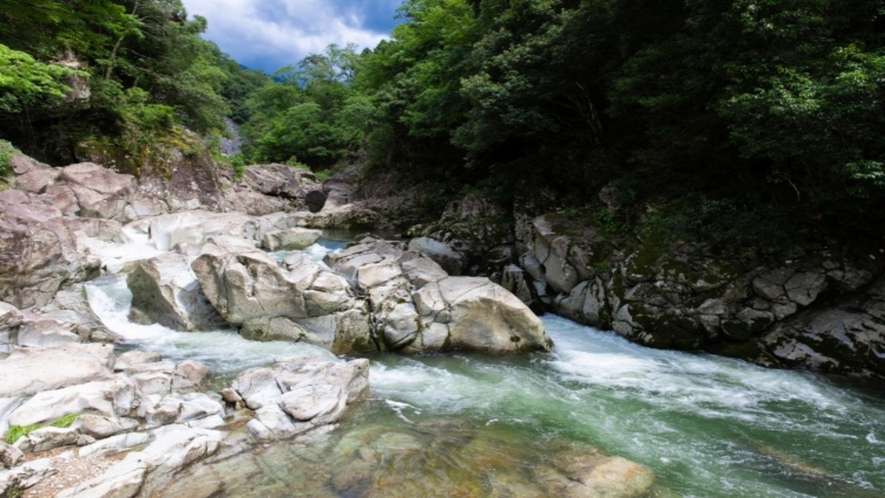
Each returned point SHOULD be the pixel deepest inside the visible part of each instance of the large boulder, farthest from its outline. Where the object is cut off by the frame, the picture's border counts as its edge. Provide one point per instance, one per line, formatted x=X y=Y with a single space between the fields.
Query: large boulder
x=476 y=314
x=82 y=363
x=449 y=259
x=296 y=238
x=167 y=231
x=278 y=180
x=100 y=192
x=846 y=338
x=417 y=307
x=165 y=289
x=39 y=248
x=296 y=395
x=298 y=299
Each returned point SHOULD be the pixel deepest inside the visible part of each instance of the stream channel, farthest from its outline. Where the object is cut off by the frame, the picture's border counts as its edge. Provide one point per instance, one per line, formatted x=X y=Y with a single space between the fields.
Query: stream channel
x=472 y=425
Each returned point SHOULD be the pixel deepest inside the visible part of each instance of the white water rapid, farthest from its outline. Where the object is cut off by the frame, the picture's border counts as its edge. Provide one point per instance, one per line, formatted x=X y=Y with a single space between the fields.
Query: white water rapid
x=707 y=426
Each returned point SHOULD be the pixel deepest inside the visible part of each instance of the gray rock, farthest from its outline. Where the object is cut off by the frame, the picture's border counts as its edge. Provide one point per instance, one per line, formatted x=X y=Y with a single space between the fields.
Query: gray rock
x=174 y=449
x=101 y=427
x=10 y=456
x=291 y=239
x=116 y=397
x=101 y=193
x=25 y=476
x=179 y=409
x=165 y=289
x=83 y=363
x=48 y=438
x=298 y=394
x=420 y=270
x=803 y=288
x=277 y=180
x=131 y=359
x=481 y=315
x=450 y=260
x=39 y=250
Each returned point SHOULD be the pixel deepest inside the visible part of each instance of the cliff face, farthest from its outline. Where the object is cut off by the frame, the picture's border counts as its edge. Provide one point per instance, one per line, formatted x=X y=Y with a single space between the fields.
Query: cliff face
x=815 y=309
x=820 y=309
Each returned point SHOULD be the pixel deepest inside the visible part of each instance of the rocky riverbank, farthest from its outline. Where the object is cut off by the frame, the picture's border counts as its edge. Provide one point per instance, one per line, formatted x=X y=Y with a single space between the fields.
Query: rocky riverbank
x=82 y=419
x=814 y=308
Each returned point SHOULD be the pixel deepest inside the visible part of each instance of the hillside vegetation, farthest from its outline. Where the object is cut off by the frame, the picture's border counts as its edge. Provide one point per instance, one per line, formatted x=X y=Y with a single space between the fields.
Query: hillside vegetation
x=734 y=121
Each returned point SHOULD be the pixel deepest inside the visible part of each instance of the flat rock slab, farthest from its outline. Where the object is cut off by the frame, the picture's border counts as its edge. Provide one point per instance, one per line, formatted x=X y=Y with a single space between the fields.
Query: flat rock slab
x=29 y=371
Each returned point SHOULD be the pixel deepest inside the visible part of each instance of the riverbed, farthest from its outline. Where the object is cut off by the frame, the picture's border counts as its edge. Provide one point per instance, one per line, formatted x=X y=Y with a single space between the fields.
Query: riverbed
x=707 y=426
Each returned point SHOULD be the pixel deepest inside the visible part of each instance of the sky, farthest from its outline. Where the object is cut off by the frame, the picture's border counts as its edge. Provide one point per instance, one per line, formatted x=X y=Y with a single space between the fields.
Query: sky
x=269 y=34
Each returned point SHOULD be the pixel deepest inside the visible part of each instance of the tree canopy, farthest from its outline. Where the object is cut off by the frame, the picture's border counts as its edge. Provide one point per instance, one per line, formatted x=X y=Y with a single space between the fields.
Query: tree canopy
x=741 y=118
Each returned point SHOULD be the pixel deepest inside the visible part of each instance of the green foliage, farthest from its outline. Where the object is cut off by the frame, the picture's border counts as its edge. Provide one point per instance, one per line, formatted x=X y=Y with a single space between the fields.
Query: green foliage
x=6 y=152
x=238 y=164
x=143 y=61
x=311 y=112
x=65 y=422
x=16 y=432
x=658 y=99
x=25 y=82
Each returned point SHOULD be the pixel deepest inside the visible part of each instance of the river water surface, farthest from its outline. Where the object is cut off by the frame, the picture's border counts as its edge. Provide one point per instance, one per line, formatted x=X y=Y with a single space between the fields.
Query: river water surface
x=707 y=426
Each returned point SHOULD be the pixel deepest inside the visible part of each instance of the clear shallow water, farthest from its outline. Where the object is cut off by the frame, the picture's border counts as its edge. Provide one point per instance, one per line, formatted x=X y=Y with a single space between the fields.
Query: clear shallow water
x=707 y=426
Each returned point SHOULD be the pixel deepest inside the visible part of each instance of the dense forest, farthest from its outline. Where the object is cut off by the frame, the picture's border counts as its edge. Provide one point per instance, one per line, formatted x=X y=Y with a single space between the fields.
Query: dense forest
x=736 y=121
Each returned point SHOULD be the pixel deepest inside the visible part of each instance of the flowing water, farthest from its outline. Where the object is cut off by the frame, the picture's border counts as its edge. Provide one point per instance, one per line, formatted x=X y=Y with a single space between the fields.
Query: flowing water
x=707 y=426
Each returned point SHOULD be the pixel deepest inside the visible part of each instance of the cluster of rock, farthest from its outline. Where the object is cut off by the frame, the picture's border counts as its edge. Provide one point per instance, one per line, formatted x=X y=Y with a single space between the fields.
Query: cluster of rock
x=817 y=311
x=138 y=420
x=820 y=310
x=153 y=411
x=373 y=296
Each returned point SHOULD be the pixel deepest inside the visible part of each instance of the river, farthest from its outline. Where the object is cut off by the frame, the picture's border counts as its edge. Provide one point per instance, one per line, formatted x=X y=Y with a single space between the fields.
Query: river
x=707 y=426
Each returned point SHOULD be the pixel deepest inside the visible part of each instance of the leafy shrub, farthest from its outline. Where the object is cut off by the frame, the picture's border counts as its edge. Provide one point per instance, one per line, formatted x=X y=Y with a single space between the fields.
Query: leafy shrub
x=238 y=163
x=16 y=432
x=66 y=421
x=6 y=153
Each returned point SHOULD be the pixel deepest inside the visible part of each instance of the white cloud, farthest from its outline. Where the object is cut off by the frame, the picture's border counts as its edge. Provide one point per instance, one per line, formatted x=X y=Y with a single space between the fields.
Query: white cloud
x=268 y=34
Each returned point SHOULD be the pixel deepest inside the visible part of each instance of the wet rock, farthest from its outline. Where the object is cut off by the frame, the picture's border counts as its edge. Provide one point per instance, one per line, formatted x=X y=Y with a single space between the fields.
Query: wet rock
x=300 y=300
x=299 y=394
x=165 y=289
x=481 y=316
x=72 y=307
x=193 y=228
